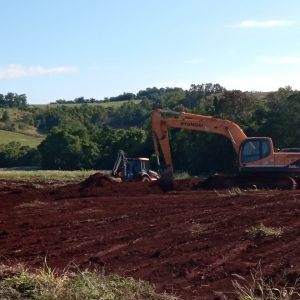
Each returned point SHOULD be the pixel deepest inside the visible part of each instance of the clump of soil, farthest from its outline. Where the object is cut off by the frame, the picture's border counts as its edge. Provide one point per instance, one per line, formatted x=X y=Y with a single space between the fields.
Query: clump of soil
x=97 y=180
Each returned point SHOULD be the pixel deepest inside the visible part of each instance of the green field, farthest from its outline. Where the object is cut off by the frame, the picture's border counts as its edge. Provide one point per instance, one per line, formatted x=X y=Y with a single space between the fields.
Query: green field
x=103 y=104
x=47 y=175
x=25 y=140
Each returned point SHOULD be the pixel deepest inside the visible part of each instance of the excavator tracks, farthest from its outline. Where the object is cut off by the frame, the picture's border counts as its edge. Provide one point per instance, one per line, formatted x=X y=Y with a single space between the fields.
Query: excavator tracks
x=250 y=181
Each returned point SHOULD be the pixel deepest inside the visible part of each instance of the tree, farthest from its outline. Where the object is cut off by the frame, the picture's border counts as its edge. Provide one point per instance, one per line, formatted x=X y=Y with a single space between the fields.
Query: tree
x=68 y=149
x=283 y=119
x=14 y=154
x=131 y=140
x=13 y=100
x=5 y=116
x=198 y=93
x=236 y=106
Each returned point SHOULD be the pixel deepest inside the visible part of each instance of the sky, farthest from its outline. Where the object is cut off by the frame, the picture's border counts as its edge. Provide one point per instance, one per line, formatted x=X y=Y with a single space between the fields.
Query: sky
x=66 y=49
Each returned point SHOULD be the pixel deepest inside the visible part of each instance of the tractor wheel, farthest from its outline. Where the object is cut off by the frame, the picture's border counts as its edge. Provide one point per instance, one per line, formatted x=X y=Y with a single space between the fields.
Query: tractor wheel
x=146 y=179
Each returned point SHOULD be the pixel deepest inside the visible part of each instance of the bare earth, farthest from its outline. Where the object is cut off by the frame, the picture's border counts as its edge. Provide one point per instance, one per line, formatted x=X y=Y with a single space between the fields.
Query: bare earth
x=187 y=242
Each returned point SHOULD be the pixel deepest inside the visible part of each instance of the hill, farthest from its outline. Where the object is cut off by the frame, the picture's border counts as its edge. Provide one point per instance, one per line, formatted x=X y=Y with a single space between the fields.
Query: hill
x=24 y=139
x=104 y=104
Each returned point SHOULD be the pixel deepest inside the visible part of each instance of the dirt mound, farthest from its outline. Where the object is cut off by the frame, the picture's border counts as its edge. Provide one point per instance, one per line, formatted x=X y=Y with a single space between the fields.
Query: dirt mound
x=97 y=180
x=101 y=185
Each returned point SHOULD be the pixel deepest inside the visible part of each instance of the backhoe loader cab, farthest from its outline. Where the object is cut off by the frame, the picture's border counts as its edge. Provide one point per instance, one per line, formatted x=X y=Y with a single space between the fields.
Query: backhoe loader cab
x=133 y=169
x=137 y=167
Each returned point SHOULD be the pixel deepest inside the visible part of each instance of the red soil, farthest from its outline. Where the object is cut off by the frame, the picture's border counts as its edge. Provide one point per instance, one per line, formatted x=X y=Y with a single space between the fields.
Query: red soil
x=187 y=242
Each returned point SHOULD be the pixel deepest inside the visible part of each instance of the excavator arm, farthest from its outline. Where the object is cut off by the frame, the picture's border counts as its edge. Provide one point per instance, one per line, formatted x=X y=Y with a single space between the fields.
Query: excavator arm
x=161 y=123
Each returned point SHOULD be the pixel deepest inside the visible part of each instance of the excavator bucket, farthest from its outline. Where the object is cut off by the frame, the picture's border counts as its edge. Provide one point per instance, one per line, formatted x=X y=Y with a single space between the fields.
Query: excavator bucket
x=166 y=181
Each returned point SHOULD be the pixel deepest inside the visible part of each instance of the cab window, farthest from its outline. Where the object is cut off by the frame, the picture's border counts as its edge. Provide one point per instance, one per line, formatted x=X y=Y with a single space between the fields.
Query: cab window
x=253 y=150
x=145 y=165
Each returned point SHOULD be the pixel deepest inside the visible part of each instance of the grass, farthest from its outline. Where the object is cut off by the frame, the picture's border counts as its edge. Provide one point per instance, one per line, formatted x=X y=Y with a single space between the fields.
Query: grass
x=197 y=228
x=261 y=231
x=47 y=176
x=18 y=122
x=33 y=204
x=231 y=193
x=17 y=283
x=260 y=289
x=182 y=175
x=234 y=192
x=24 y=139
x=15 y=114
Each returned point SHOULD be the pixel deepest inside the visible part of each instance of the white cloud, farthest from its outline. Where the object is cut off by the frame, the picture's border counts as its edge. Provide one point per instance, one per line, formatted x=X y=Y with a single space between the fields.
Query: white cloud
x=264 y=24
x=16 y=71
x=286 y=60
x=261 y=83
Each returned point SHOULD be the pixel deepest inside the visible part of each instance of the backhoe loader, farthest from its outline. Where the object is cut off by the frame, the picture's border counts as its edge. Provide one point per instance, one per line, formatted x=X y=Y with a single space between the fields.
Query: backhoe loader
x=258 y=163
x=133 y=169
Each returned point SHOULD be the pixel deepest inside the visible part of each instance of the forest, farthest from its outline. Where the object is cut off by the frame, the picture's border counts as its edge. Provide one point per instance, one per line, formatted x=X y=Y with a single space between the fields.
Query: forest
x=88 y=136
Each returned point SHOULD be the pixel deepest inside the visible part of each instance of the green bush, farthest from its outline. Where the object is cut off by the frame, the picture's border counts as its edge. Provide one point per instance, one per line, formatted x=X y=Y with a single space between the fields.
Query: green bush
x=14 y=154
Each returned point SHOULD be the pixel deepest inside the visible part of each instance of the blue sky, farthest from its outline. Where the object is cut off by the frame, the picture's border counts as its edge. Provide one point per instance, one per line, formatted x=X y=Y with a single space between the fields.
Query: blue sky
x=64 y=49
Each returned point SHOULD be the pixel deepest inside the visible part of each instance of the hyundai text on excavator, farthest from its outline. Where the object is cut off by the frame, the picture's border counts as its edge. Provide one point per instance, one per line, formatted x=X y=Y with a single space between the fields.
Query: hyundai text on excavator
x=133 y=169
x=258 y=163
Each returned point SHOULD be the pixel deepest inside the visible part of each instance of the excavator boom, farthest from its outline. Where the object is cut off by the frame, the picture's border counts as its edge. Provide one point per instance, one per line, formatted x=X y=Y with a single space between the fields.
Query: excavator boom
x=160 y=125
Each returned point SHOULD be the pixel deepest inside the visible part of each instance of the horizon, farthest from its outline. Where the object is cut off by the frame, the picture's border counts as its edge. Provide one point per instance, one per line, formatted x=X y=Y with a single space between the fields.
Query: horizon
x=69 y=49
x=135 y=93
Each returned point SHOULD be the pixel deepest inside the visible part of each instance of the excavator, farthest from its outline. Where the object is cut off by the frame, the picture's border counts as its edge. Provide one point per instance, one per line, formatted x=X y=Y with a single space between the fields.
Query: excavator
x=259 y=165
x=133 y=169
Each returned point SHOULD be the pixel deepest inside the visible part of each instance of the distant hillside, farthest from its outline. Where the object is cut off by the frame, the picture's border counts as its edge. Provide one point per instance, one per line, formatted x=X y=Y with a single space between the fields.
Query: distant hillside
x=24 y=139
x=104 y=104
x=87 y=133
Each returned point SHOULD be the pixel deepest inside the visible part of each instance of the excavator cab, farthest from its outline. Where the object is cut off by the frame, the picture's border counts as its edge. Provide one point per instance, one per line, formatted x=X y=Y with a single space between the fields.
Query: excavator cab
x=253 y=149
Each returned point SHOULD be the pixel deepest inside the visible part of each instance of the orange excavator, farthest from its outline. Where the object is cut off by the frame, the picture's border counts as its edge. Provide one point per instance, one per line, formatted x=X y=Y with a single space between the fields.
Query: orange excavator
x=258 y=163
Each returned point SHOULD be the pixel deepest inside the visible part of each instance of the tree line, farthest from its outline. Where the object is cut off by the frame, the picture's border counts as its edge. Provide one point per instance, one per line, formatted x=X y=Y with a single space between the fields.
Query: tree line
x=89 y=136
x=151 y=94
x=13 y=100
